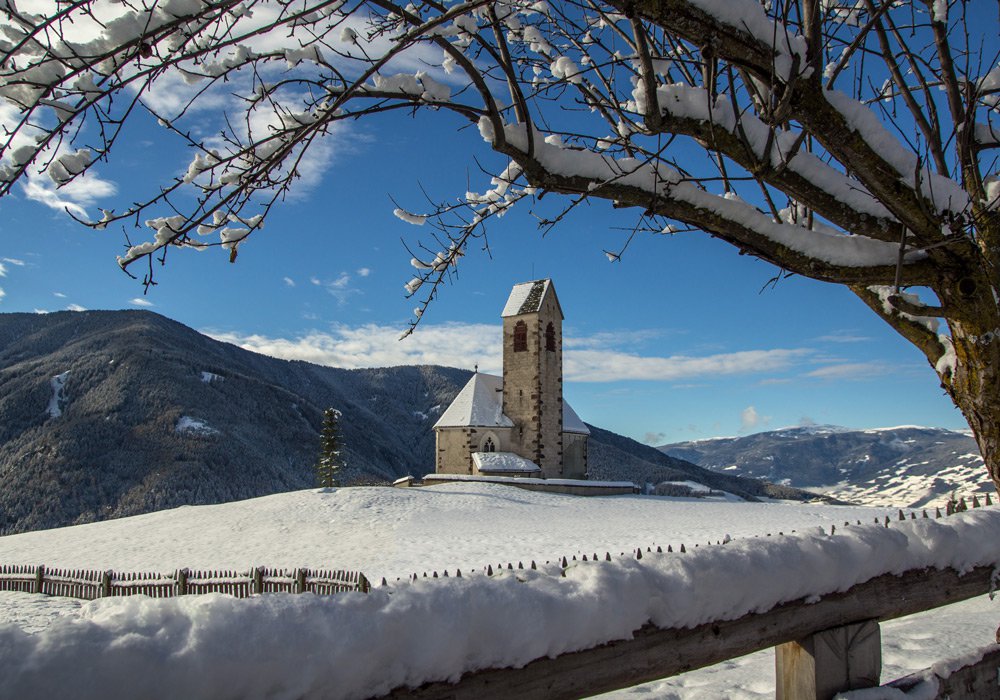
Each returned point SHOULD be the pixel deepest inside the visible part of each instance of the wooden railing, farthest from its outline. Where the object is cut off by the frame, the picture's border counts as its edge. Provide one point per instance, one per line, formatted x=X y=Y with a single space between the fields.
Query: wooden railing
x=824 y=645
x=88 y=585
x=655 y=653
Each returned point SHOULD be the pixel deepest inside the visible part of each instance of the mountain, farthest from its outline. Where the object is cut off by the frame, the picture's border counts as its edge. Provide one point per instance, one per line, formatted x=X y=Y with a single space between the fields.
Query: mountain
x=905 y=466
x=112 y=413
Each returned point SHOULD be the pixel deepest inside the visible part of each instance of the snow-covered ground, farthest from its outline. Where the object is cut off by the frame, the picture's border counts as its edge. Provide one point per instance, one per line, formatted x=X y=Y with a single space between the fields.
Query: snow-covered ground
x=215 y=646
x=904 y=484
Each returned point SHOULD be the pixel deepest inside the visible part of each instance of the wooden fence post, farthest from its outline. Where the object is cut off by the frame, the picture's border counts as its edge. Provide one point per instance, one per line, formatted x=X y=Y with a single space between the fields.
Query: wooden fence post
x=828 y=662
x=39 y=578
x=300 y=580
x=182 y=581
x=106 y=584
x=258 y=580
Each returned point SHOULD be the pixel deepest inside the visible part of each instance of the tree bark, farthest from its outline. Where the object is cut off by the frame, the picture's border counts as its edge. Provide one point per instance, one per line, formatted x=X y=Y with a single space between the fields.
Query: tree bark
x=974 y=386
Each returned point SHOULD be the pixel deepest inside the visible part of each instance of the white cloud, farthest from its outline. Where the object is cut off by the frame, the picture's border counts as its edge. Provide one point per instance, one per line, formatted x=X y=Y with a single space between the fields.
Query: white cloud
x=140 y=301
x=74 y=196
x=59 y=295
x=749 y=419
x=371 y=345
x=851 y=370
x=340 y=288
x=289 y=281
x=606 y=339
x=654 y=438
x=364 y=272
x=3 y=270
x=41 y=311
x=464 y=345
x=14 y=261
x=2 y=293
x=610 y=365
x=843 y=336
x=76 y=307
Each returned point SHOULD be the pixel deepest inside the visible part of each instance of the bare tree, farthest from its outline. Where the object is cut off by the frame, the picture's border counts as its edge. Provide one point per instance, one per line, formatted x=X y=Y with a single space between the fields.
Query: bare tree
x=850 y=142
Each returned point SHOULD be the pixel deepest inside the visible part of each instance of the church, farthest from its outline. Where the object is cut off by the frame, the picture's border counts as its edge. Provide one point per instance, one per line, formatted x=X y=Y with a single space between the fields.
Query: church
x=517 y=424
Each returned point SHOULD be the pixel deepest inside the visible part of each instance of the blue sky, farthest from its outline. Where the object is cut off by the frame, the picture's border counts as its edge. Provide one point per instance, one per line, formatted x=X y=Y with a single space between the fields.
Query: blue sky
x=674 y=342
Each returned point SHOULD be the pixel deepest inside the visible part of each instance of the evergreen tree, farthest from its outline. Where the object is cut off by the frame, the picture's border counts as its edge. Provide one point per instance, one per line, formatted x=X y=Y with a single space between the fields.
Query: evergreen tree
x=330 y=460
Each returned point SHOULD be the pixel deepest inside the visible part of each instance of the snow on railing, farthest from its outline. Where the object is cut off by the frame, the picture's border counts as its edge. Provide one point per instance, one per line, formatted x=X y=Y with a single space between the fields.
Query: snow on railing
x=559 y=564
x=712 y=605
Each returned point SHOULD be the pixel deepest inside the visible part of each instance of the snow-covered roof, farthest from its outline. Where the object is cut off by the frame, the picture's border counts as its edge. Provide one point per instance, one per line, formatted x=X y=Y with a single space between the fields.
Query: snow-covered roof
x=527 y=298
x=479 y=403
x=506 y=462
x=572 y=422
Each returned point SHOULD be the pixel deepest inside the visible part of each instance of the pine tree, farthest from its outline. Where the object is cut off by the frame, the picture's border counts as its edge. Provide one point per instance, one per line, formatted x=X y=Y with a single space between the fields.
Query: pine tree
x=330 y=460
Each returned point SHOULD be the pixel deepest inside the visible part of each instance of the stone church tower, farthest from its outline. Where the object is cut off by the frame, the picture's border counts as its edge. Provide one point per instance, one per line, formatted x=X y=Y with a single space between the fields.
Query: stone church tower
x=517 y=425
x=532 y=373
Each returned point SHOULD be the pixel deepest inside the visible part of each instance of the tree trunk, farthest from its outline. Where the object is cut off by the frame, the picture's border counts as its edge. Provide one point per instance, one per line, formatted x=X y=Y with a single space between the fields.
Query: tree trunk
x=974 y=385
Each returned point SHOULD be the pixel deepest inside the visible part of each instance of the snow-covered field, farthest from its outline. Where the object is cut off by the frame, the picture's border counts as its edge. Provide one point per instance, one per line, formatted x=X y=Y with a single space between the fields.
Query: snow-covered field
x=216 y=647
x=903 y=483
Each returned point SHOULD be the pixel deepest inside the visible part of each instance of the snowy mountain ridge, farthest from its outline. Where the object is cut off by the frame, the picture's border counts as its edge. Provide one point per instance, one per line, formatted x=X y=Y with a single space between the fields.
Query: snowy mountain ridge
x=907 y=466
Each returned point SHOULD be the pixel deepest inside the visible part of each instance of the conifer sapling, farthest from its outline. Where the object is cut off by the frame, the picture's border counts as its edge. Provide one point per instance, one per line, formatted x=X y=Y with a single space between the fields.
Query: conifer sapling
x=330 y=460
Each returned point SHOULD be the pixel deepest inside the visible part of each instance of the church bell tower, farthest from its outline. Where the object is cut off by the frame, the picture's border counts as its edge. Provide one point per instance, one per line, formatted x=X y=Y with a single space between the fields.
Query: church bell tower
x=532 y=373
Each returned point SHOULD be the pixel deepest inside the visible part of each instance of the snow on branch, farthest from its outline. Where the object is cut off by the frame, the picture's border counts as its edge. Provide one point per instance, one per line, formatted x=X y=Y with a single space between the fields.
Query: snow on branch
x=658 y=185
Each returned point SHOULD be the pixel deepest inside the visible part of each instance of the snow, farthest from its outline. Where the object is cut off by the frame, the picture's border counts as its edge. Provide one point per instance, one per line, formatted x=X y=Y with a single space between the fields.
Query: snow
x=479 y=403
x=946 y=194
x=209 y=377
x=519 y=294
x=572 y=422
x=214 y=646
x=528 y=480
x=415 y=219
x=194 y=426
x=657 y=178
x=58 y=400
x=503 y=462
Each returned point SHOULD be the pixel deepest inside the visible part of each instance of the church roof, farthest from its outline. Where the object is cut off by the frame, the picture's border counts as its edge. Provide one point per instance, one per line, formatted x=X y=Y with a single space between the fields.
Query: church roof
x=503 y=462
x=527 y=298
x=572 y=422
x=479 y=403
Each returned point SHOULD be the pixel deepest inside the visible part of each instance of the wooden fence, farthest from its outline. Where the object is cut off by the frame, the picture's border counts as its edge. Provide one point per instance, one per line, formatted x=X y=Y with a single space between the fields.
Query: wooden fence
x=88 y=585
x=822 y=646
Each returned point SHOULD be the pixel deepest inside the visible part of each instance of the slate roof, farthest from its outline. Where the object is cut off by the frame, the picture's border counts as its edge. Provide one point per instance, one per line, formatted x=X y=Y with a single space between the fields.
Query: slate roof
x=527 y=298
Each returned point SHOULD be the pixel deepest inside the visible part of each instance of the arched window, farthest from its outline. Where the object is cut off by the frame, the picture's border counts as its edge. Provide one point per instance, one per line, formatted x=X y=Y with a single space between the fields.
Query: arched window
x=488 y=445
x=520 y=336
x=550 y=338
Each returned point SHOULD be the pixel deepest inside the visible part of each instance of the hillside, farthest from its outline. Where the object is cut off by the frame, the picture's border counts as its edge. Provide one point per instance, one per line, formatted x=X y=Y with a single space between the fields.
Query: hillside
x=904 y=466
x=112 y=413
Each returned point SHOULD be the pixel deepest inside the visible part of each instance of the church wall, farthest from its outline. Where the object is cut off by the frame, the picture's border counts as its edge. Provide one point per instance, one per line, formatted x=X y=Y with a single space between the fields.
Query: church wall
x=453 y=450
x=454 y=447
x=574 y=455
